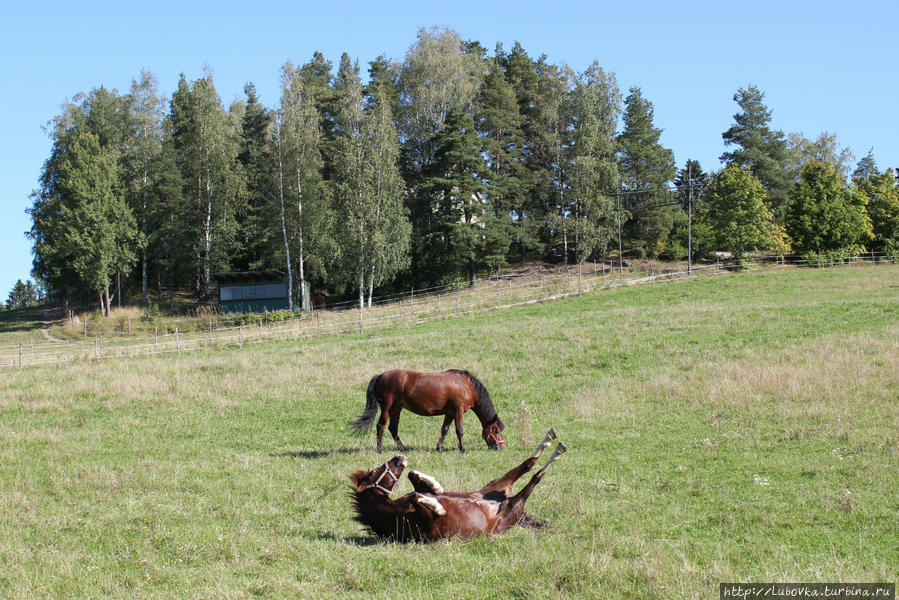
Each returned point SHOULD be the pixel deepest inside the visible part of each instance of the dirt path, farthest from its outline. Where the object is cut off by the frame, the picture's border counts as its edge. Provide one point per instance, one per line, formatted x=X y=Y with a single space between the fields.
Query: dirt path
x=45 y=329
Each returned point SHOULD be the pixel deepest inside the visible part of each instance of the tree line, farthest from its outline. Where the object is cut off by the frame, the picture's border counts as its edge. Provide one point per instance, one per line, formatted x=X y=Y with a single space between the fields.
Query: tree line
x=450 y=163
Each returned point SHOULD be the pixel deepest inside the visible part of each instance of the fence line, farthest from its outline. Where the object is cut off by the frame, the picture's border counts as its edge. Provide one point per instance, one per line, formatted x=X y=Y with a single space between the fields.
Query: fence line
x=407 y=310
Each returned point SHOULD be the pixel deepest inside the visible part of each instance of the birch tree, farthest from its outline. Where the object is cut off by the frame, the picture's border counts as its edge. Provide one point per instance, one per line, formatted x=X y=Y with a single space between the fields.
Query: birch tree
x=308 y=225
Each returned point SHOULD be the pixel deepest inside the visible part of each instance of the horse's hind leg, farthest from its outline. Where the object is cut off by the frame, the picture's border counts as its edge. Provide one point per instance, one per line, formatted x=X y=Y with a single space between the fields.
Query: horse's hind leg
x=382 y=424
x=394 y=427
x=443 y=430
x=547 y=440
x=521 y=496
x=503 y=485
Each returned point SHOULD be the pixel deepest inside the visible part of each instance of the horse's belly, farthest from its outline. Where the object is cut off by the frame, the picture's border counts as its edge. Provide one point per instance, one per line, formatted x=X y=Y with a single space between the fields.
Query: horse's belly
x=418 y=409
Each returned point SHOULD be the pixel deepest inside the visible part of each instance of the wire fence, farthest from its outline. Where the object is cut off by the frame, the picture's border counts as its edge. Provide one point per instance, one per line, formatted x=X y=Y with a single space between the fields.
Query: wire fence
x=416 y=307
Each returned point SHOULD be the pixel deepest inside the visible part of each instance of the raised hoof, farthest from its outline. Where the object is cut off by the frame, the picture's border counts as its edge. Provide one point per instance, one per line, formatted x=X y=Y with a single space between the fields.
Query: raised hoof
x=551 y=434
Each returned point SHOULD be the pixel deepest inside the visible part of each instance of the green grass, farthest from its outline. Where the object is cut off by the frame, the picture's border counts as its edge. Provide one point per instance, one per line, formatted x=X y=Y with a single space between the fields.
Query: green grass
x=737 y=428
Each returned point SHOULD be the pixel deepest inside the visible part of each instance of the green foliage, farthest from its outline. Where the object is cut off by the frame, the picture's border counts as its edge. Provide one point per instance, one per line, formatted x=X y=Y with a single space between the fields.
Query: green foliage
x=827 y=216
x=882 y=193
x=824 y=149
x=735 y=210
x=448 y=161
x=761 y=150
x=24 y=295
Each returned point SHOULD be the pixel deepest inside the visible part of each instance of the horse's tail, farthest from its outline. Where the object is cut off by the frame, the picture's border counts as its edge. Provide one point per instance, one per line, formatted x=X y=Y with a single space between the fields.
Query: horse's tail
x=364 y=422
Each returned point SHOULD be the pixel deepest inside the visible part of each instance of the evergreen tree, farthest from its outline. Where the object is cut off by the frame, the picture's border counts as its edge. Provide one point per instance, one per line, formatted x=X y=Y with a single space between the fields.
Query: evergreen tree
x=882 y=193
x=207 y=144
x=455 y=185
x=24 y=295
x=644 y=164
x=827 y=217
x=100 y=229
x=88 y=140
x=761 y=150
x=257 y=231
x=508 y=179
x=866 y=167
x=548 y=137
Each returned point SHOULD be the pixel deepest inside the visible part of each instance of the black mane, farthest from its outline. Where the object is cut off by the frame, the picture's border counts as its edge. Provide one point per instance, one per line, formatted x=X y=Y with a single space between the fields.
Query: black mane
x=483 y=408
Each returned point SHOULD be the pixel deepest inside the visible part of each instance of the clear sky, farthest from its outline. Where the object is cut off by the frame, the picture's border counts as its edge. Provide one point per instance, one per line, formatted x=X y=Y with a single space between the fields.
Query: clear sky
x=823 y=65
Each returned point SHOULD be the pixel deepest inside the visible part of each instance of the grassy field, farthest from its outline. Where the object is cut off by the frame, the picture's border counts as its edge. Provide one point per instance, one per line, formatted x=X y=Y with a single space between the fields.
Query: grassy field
x=736 y=428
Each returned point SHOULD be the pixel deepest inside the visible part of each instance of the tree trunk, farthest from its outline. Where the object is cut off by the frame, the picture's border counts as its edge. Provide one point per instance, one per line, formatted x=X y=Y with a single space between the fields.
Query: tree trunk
x=302 y=258
x=284 y=226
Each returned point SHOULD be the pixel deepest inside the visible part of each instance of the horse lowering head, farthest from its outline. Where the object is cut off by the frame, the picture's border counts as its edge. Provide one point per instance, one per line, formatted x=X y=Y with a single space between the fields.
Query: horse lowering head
x=493 y=435
x=382 y=479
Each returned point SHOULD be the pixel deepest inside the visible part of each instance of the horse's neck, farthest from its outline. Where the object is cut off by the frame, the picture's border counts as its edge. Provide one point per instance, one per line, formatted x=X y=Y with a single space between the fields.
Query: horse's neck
x=478 y=411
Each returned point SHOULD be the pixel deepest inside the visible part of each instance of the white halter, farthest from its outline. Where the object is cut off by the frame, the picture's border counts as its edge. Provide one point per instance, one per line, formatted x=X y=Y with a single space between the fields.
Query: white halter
x=377 y=483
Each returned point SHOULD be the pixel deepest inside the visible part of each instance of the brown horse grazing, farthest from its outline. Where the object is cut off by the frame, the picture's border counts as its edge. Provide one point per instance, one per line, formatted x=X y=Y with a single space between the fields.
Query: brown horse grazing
x=449 y=393
x=430 y=513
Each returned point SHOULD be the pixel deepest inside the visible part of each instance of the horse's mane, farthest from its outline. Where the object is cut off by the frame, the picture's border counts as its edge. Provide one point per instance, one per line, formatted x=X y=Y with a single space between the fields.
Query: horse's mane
x=355 y=478
x=484 y=408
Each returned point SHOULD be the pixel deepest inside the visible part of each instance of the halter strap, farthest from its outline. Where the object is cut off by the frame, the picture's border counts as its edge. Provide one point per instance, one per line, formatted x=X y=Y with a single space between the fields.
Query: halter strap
x=377 y=483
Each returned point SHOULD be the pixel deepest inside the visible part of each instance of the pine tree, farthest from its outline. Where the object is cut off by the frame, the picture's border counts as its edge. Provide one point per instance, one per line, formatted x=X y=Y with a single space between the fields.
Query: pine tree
x=455 y=185
x=256 y=233
x=207 y=144
x=644 y=164
x=882 y=193
x=762 y=150
x=508 y=179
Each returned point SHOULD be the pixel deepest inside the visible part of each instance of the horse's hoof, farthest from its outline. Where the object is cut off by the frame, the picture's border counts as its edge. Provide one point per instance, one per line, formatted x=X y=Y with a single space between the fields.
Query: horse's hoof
x=551 y=434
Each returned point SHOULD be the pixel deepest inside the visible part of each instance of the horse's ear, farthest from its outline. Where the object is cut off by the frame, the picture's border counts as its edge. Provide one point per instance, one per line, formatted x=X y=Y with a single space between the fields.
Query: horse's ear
x=499 y=423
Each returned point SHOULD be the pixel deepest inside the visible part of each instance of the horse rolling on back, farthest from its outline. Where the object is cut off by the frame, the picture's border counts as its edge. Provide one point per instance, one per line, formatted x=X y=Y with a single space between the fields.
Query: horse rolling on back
x=430 y=513
x=449 y=393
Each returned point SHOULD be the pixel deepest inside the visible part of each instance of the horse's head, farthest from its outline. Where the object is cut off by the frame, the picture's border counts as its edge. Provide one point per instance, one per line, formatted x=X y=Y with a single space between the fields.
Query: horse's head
x=381 y=479
x=493 y=435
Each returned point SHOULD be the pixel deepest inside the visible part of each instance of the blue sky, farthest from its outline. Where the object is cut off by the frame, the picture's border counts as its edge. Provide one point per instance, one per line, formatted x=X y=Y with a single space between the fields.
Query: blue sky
x=824 y=66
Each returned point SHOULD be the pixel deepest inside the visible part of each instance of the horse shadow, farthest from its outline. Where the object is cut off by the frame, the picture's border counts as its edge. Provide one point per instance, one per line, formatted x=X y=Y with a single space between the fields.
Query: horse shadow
x=355 y=540
x=318 y=454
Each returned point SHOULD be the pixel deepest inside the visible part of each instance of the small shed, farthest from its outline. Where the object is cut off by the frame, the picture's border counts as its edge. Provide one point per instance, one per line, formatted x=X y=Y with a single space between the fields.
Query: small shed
x=252 y=291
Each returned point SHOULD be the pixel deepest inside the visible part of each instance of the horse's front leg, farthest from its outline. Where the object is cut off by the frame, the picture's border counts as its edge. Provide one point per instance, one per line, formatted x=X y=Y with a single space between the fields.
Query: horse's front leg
x=459 y=415
x=394 y=427
x=443 y=430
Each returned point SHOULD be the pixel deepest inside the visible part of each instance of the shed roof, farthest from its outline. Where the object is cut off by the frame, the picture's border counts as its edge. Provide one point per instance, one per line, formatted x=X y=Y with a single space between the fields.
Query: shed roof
x=234 y=277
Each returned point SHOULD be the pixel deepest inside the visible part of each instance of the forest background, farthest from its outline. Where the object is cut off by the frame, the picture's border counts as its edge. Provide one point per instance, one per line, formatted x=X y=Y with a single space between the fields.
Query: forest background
x=450 y=162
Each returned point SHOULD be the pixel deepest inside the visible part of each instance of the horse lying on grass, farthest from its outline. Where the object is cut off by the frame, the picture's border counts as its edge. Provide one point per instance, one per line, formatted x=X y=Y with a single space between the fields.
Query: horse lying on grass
x=430 y=513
